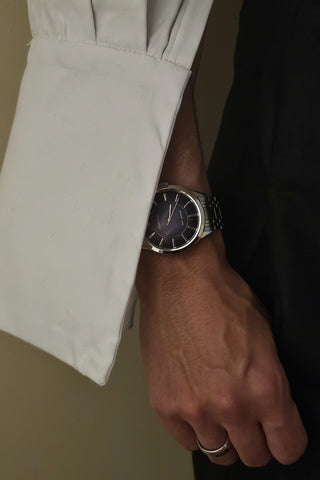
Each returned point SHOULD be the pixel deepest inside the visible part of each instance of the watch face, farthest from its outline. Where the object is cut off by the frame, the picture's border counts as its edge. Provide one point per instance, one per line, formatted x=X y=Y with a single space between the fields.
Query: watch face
x=174 y=220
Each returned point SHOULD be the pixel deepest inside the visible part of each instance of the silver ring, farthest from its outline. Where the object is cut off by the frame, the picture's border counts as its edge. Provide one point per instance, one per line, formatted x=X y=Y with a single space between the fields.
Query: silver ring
x=219 y=451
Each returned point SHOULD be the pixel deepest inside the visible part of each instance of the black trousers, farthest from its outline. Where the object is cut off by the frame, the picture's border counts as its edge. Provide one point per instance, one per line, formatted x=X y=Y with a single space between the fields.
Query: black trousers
x=265 y=169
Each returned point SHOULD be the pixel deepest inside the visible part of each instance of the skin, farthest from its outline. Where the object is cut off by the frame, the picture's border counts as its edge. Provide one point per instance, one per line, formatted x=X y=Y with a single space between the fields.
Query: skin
x=210 y=357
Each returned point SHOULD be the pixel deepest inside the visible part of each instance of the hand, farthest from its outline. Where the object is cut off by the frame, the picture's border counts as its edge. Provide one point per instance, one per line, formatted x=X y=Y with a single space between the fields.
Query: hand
x=210 y=358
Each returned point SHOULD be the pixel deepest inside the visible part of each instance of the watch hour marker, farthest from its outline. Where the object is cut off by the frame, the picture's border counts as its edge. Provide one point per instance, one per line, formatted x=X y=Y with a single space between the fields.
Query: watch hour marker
x=173 y=222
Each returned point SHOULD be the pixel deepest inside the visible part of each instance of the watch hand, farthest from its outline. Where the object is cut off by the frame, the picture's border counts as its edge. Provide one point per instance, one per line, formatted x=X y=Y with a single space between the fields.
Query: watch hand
x=158 y=222
x=169 y=213
x=175 y=206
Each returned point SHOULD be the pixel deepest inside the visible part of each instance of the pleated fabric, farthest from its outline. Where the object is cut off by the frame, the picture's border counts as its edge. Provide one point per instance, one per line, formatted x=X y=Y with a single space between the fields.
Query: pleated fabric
x=96 y=109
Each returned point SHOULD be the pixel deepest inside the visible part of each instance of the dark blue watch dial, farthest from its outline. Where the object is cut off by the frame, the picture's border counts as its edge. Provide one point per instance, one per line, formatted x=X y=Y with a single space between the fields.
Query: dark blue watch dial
x=174 y=220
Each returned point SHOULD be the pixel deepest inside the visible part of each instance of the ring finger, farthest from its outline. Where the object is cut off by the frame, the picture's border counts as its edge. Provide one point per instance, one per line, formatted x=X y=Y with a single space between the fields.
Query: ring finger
x=213 y=438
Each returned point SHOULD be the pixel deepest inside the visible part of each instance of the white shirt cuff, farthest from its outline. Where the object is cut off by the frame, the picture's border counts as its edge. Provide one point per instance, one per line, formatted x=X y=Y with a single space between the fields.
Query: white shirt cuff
x=91 y=130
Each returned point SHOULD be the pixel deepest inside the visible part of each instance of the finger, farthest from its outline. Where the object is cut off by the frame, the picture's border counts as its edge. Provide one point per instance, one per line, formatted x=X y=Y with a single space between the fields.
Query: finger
x=181 y=431
x=285 y=434
x=213 y=437
x=250 y=443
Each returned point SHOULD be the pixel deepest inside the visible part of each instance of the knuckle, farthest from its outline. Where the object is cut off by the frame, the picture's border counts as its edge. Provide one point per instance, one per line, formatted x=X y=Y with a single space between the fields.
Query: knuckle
x=267 y=390
x=192 y=411
x=163 y=407
x=226 y=405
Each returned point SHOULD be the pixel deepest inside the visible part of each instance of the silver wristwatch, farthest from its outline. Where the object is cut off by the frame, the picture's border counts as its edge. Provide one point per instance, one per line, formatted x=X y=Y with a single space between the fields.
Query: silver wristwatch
x=179 y=218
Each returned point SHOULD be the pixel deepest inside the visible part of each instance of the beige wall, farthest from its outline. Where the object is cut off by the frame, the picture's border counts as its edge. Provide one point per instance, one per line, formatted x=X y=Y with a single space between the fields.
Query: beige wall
x=54 y=423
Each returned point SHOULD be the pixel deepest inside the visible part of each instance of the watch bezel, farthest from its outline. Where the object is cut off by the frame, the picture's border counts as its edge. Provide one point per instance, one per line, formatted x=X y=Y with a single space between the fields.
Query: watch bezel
x=193 y=196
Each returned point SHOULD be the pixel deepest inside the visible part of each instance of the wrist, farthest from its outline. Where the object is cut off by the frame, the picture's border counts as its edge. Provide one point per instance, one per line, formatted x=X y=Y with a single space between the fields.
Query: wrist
x=178 y=173
x=205 y=259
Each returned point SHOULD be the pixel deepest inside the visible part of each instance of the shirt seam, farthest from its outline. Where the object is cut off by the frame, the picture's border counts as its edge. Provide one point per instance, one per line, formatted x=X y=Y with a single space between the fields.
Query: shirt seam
x=107 y=45
x=168 y=51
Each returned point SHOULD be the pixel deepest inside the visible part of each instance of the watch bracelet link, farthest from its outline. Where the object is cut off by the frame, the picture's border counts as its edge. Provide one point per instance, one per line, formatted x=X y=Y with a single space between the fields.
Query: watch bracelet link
x=213 y=214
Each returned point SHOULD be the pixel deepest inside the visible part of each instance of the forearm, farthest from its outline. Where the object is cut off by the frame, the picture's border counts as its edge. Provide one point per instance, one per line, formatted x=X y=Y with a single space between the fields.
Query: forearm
x=183 y=165
x=211 y=361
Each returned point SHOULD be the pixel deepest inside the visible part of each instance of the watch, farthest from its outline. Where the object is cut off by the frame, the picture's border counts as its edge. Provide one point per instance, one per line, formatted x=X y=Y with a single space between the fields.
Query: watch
x=179 y=218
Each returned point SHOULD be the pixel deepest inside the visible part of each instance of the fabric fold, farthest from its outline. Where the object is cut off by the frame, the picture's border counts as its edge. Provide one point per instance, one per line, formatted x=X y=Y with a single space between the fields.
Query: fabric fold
x=91 y=130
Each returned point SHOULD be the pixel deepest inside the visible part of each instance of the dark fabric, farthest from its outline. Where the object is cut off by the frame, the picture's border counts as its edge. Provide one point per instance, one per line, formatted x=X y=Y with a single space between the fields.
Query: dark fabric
x=265 y=169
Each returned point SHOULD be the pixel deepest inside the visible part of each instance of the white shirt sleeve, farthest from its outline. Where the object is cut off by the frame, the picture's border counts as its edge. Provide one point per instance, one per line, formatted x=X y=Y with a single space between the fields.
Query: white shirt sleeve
x=96 y=109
